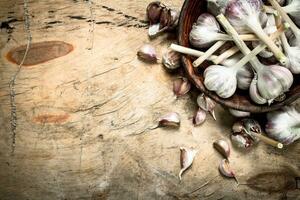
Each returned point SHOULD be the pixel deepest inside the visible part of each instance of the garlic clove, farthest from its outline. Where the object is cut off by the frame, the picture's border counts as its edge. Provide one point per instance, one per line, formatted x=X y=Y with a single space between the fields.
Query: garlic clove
x=254 y=93
x=222 y=147
x=170 y=120
x=187 y=156
x=238 y=113
x=171 y=60
x=153 y=11
x=181 y=86
x=153 y=30
x=147 y=53
x=225 y=169
x=207 y=104
x=199 y=117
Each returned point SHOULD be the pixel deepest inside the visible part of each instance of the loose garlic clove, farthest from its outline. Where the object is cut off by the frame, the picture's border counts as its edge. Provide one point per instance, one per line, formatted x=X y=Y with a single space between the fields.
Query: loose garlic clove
x=238 y=113
x=222 y=147
x=206 y=104
x=147 y=53
x=171 y=60
x=187 y=156
x=181 y=86
x=170 y=120
x=225 y=169
x=199 y=117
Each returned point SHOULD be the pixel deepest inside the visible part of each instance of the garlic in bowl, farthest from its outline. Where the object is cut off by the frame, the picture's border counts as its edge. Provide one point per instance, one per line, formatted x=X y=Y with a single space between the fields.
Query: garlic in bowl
x=240 y=99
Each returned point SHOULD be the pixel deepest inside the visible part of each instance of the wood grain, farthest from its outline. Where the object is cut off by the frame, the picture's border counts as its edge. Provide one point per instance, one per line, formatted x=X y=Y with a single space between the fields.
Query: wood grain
x=83 y=119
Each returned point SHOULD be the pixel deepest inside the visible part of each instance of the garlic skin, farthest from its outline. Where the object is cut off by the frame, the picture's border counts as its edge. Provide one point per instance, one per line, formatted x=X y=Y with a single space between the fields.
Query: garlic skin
x=199 y=117
x=206 y=31
x=206 y=104
x=284 y=125
x=171 y=60
x=238 y=113
x=147 y=53
x=169 y=120
x=181 y=86
x=244 y=77
x=187 y=156
x=293 y=55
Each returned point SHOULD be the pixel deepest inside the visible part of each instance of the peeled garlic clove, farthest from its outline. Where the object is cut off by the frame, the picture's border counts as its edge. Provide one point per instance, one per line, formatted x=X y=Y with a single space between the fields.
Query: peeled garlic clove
x=238 y=113
x=200 y=117
x=147 y=53
x=181 y=86
x=206 y=104
x=222 y=147
x=225 y=169
x=170 y=120
x=171 y=60
x=187 y=156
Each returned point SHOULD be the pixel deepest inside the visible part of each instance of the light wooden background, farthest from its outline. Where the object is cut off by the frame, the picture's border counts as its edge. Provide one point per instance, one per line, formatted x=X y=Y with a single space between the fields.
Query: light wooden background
x=83 y=119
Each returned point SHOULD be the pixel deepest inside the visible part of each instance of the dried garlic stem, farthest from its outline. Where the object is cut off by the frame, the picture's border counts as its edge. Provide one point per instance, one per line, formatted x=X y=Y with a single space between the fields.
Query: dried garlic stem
x=189 y=51
x=270 y=10
x=230 y=52
x=261 y=47
x=208 y=53
x=268 y=140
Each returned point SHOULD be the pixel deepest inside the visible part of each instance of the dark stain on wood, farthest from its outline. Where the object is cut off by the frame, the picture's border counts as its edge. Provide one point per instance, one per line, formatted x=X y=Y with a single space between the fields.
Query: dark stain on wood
x=273 y=181
x=104 y=22
x=54 y=22
x=78 y=17
x=39 y=52
x=108 y=8
x=51 y=118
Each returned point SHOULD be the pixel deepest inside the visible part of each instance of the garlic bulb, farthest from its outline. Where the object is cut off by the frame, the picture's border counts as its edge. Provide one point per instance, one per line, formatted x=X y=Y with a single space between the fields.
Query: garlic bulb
x=254 y=93
x=244 y=77
x=293 y=55
x=293 y=9
x=171 y=60
x=284 y=125
x=246 y=16
x=206 y=31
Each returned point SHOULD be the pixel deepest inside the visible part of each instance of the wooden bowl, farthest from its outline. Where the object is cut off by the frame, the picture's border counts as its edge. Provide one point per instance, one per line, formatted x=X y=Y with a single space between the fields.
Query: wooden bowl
x=239 y=101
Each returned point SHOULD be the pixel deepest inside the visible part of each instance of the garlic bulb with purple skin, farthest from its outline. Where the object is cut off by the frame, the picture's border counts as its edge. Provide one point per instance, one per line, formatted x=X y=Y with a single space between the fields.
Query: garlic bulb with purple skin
x=245 y=16
x=284 y=125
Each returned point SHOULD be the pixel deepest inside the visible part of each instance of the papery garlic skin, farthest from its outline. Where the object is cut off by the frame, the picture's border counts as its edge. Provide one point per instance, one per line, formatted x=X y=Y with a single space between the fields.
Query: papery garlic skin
x=284 y=125
x=221 y=80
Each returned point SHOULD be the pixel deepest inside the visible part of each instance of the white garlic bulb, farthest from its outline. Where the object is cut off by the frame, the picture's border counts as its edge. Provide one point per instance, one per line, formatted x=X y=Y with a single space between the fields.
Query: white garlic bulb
x=206 y=31
x=244 y=77
x=293 y=9
x=284 y=125
x=292 y=53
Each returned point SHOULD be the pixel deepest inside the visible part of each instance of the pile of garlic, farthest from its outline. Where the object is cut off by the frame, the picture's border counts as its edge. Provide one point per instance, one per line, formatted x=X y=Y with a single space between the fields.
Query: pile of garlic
x=257 y=49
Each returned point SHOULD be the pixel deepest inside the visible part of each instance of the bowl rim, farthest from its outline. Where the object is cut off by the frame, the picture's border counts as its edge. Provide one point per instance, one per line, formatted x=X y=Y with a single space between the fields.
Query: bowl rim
x=253 y=108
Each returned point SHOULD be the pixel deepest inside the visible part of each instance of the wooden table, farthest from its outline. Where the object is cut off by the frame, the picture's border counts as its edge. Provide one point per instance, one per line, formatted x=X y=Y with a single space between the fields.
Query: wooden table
x=83 y=119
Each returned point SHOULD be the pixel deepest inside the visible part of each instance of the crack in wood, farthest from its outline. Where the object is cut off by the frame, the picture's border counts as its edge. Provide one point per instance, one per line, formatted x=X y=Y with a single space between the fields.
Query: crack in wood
x=13 y=120
x=92 y=25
